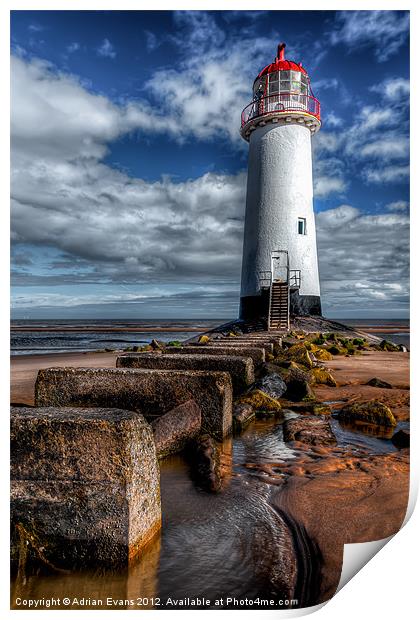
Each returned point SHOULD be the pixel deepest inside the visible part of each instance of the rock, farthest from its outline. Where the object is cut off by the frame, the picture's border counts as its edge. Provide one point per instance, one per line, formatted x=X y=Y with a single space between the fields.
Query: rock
x=385 y=345
x=402 y=348
x=156 y=345
x=84 y=486
x=273 y=385
x=203 y=339
x=243 y=414
x=322 y=354
x=310 y=430
x=375 y=382
x=241 y=369
x=149 y=392
x=373 y=412
x=261 y=402
x=401 y=439
x=335 y=350
x=359 y=341
x=204 y=457
x=254 y=352
x=173 y=430
x=299 y=354
x=323 y=377
x=298 y=384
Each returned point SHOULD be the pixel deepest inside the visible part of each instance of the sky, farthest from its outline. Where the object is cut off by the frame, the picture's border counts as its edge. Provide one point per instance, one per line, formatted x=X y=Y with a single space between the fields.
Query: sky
x=129 y=173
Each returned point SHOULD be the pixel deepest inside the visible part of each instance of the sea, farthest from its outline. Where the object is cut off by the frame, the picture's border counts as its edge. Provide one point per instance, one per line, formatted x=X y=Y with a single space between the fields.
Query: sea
x=35 y=337
x=30 y=337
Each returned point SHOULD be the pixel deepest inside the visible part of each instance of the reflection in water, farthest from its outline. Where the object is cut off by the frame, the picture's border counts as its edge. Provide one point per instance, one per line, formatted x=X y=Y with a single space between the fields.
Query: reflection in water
x=113 y=588
x=376 y=439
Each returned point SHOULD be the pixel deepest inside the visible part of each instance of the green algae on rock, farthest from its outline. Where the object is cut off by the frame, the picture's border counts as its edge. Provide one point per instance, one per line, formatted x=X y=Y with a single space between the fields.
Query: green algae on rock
x=373 y=412
x=322 y=376
x=261 y=402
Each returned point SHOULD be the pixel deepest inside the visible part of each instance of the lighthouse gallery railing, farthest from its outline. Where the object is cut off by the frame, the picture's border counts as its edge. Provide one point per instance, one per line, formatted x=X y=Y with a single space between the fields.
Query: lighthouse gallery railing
x=281 y=102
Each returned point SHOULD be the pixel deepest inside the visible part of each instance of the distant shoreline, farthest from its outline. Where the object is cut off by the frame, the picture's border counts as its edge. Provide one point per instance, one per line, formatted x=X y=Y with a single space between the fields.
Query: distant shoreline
x=103 y=328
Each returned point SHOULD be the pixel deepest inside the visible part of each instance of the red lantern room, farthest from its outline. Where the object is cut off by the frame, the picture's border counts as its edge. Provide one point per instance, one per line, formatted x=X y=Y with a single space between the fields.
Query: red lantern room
x=281 y=93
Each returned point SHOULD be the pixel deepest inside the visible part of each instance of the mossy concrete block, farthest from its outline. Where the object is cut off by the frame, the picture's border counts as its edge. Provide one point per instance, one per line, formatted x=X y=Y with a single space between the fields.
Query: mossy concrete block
x=84 y=485
x=241 y=369
x=176 y=428
x=254 y=352
x=150 y=392
x=234 y=343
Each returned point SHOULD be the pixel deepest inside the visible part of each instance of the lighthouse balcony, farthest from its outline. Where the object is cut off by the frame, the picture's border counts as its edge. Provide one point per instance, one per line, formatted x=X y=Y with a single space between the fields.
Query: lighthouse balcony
x=281 y=107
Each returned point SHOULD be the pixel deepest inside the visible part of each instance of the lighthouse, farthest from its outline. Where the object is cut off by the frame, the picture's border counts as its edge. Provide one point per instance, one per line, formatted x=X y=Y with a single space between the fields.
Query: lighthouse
x=280 y=264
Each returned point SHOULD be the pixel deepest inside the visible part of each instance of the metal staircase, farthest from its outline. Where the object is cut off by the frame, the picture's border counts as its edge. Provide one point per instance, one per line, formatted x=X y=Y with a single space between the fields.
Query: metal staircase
x=277 y=284
x=279 y=306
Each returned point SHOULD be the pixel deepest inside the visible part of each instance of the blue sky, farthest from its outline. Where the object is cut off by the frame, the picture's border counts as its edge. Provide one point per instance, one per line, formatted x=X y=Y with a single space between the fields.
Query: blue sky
x=128 y=171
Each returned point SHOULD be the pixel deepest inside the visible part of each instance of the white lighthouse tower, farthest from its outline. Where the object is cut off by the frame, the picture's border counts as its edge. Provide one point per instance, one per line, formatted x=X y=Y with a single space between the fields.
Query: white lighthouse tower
x=280 y=265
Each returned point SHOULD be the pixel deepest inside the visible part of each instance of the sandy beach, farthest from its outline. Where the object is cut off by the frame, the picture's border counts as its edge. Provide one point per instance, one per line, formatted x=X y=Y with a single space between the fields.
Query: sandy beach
x=332 y=495
x=24 y=369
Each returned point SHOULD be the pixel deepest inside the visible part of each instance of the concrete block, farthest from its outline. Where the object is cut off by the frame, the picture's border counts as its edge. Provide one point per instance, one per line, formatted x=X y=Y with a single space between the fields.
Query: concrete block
x=84 y=485
x=255 y=353
x=150 y=392
x=176 y=428
x=232 y=342
x=241 y=369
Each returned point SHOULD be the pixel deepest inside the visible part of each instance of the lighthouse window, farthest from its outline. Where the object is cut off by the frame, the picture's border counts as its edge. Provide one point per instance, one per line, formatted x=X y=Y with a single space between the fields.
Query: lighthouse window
x=302 y=225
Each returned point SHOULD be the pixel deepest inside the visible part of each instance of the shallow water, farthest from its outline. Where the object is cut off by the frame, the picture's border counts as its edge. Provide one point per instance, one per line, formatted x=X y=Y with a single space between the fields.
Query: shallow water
x=212 y=545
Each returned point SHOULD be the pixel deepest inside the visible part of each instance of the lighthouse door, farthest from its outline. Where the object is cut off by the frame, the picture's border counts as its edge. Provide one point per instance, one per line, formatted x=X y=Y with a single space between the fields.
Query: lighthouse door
x=280 y=265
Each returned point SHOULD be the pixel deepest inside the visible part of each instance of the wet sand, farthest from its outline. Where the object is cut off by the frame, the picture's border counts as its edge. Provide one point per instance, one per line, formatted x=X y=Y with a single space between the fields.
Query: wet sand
x=339 y=497
x=24 y=370
x=353 y=372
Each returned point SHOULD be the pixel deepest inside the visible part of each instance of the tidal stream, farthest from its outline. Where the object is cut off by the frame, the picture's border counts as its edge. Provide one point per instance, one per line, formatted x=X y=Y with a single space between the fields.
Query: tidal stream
x=231 y=543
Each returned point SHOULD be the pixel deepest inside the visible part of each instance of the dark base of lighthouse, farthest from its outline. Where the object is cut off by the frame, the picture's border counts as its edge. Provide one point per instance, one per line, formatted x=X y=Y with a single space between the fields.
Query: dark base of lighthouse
x=256 y=307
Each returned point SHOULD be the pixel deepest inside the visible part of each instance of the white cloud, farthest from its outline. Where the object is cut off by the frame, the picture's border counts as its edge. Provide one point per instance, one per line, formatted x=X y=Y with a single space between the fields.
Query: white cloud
x=397 y=206
x=65 y=197
x=396 y=90
x=325 y=186
x=387 y=174
x=387 y=31
x=331 y=119
x=395 y=147
x=73 y=47
x=363 y=259
x=106 y=49
x=334 y=218
x=36 y=28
